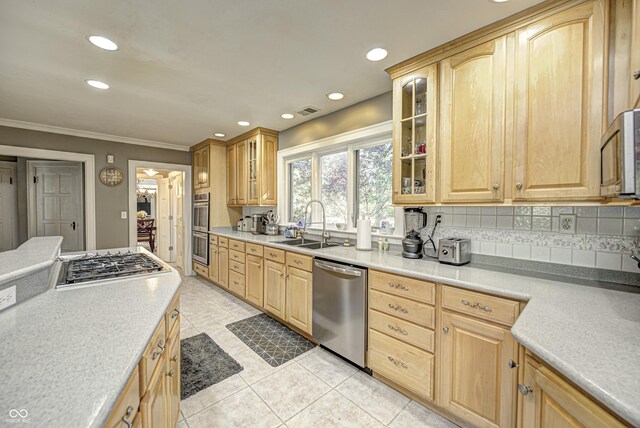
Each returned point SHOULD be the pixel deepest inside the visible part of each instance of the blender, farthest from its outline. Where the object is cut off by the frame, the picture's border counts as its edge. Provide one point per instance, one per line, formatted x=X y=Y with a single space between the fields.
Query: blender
x=414 y=221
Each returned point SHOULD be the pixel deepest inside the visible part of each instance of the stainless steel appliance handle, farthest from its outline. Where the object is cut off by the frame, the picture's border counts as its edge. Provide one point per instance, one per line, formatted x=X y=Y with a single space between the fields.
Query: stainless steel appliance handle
x=333 y=268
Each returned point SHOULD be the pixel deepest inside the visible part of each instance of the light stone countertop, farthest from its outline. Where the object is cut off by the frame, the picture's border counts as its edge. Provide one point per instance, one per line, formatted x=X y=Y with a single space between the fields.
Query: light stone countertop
x=67 y=354
x=589 y=333
x=32 y=256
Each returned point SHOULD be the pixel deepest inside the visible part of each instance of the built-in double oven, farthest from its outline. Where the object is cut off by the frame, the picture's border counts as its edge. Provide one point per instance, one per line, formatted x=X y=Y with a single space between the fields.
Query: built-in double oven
x=200 y=228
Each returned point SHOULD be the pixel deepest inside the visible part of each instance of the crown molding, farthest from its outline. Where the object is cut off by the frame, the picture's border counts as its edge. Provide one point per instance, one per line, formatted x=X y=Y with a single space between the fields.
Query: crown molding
x=89 y=134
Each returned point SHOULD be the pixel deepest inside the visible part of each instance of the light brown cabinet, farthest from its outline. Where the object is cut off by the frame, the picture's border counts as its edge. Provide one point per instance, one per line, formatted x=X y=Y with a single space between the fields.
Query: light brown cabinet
x=201 y=168
x=214 y=263
x=550 y=401
x=153 y=407
x=558 y=105
x=255 y=279
x=232 y=194
x=299 y=298
x=223 y=267
x=477 y=382
x=274 y=288
x=473 y=123
x=126 y=408
x=414 y=137
x=634 y=72
x=173 y=377
x=253 y=178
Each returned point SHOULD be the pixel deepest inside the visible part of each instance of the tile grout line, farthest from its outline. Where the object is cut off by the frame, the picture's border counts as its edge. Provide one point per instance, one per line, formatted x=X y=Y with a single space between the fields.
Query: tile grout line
x=364 y=410
x=402 y=410
x=216 y=402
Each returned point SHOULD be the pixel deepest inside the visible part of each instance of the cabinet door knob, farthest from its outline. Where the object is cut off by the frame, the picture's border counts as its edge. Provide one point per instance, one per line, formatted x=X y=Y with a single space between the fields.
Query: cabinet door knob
x=636 y=75
x=175 y=313
x=171 y=373
x=513 y=365
x=518 y=185
x=524 y=390
x=395 y=191
x=496 y=186
x=445 y=330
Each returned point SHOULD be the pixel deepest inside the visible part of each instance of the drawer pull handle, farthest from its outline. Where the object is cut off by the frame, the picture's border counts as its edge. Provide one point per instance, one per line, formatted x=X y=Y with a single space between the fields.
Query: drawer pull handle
x=398 y=286
x=298 y=262
x=253 y=250
x=524 y=390
x=272 y=254
x=127 y=415
x=477 y=305
x=398 y=363
x=175 y=313
x=236 y=282
x=398 y=308
x=398 y=330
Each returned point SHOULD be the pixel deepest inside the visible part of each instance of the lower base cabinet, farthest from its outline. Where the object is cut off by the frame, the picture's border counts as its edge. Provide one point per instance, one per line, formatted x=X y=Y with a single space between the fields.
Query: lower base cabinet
x=255 y=279
x=274 y=288
x=477 y=380
x=151 y=398
x=223 y=267
x=299 y=298
x=550 y=401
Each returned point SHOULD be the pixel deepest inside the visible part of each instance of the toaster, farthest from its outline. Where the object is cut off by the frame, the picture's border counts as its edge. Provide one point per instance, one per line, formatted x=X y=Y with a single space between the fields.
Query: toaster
x=454 y=251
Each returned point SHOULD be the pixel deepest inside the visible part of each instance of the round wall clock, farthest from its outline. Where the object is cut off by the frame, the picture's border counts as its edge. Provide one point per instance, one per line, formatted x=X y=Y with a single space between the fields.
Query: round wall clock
x=111 y=176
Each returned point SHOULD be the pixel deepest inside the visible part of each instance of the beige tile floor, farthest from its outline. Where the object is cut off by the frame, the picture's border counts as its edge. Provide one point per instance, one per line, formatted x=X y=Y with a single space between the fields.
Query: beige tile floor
x=317 y=389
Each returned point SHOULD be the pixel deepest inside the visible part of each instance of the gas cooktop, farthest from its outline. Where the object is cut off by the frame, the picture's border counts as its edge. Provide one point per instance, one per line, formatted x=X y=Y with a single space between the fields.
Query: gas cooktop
x=99 y=267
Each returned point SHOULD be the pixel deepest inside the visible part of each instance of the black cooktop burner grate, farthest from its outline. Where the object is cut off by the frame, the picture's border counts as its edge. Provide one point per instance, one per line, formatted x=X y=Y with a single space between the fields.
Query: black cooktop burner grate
x=95 y=267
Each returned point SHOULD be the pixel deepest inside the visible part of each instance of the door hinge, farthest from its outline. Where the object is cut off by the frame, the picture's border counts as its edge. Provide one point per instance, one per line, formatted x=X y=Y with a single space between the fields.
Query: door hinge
x=35 y=179
x=170 y=186
x=170 y=217
x=170 y=247
x=10 y=180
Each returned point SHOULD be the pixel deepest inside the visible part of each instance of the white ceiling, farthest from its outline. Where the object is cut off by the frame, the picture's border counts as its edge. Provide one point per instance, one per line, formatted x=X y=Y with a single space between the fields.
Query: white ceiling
x=186 y=69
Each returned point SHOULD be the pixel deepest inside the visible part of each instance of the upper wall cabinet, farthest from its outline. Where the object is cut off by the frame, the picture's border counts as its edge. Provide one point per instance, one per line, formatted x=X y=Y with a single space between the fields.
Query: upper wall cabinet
x=517 y=109
x=232 y=194
x=414 y=137
x=634 y=74
x=559 y=105
x=473 y=123
x=201 y=168
x=253 y=173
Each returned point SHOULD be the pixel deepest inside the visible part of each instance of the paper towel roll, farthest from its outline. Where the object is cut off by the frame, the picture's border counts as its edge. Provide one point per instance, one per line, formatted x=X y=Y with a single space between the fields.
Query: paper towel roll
x=364 y=234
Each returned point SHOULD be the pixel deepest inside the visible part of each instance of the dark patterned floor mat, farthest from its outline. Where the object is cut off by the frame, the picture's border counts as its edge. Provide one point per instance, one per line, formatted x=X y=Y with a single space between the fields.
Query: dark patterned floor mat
x=202 y=364
x=274 y=342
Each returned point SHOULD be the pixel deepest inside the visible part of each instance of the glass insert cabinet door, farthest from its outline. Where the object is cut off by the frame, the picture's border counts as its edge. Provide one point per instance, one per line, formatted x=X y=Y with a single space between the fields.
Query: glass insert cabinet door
x=414 y=137
x=252 y=170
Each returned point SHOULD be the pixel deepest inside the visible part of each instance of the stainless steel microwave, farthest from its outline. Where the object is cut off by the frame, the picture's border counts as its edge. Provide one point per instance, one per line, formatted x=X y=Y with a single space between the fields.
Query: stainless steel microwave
x=620 y=157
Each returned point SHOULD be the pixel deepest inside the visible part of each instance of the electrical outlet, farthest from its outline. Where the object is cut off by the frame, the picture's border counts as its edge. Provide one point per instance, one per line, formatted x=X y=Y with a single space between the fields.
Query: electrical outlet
x=7 y=297
x=567 y=223
x=123 y=214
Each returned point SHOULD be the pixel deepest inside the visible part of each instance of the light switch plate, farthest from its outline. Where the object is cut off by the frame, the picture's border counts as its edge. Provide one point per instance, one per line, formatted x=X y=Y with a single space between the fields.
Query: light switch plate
x=109 y=158
x=567 y=223
x=123 y=214
x=7 y=297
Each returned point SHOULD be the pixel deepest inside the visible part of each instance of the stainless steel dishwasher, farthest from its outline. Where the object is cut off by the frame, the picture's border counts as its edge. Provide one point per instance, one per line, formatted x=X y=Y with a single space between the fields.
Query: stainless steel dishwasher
x=340 y=308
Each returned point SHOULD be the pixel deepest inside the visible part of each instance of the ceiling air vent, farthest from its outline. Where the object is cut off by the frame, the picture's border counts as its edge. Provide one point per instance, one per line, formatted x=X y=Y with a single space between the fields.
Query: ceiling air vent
x=308 y=110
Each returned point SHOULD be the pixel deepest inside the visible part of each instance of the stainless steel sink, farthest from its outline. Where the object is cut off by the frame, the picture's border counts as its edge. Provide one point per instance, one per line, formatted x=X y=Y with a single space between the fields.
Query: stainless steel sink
x=297 y=242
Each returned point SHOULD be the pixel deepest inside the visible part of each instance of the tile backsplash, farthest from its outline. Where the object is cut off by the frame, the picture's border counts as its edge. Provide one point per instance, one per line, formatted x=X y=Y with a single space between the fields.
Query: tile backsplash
x=604 y=237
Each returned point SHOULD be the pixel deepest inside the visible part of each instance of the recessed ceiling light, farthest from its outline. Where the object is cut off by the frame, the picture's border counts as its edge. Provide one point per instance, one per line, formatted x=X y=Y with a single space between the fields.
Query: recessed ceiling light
x=219 y=134
x=97 y=84
x=377 y=54
x=499 y=1
x=243 y=123
x=335 y=96
x=286 y=116
x=103 y=43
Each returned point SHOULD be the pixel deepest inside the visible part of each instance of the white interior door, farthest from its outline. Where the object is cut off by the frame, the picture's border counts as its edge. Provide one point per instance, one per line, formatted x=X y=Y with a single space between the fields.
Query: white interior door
x=8 y=207
x=163 y=222
x=57 y=202
x=178 y=192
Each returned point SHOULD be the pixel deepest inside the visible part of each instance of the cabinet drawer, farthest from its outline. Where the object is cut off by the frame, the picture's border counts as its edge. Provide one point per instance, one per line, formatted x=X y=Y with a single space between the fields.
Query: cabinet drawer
x=236 y=283
x=400 y=307
x=236 y=245
x=404 y=364
x=416 y=289
x=403 y=330
x=223 y=242
x=256 y=250
x=173 y=314
x=129 y=399
x=299 y=261
x=480 y=305
x=152 y=356
x=274 y=254
x=201 y=269
x=237 y=267
x=236 y=256
x=213 y=240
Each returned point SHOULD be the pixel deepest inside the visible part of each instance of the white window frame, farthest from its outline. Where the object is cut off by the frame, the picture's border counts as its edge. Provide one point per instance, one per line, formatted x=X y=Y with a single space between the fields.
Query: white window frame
x=350 y=142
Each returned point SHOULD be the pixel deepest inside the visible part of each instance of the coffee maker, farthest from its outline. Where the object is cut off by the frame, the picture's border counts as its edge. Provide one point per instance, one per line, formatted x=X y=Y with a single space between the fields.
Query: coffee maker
x=414 y=221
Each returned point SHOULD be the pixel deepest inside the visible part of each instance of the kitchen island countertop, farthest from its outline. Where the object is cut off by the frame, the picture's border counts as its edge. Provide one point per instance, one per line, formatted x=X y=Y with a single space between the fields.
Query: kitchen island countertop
x=67 y=354
x=589 y=333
